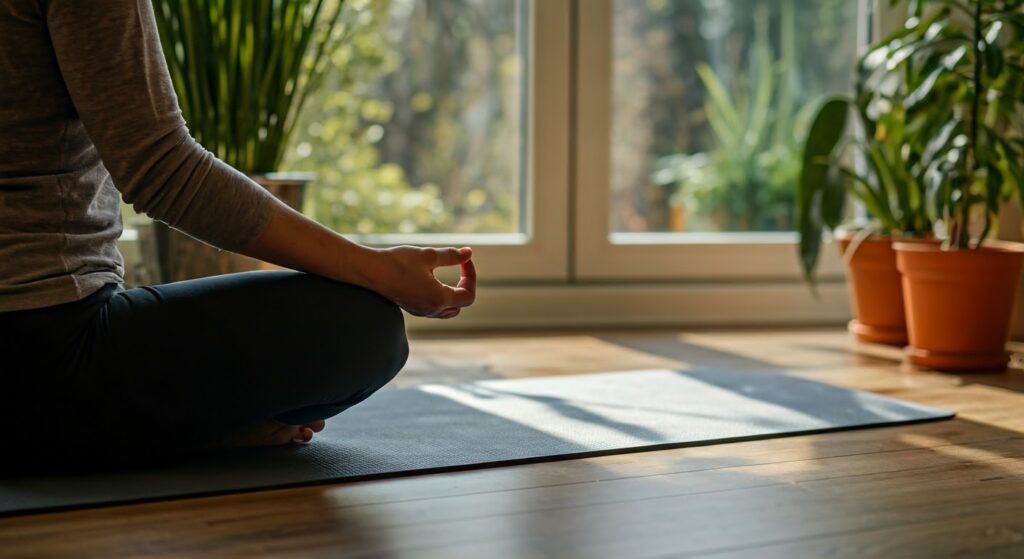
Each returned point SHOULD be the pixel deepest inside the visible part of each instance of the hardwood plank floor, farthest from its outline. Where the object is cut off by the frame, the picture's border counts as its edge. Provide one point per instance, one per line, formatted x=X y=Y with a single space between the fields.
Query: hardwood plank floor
x=948 y=489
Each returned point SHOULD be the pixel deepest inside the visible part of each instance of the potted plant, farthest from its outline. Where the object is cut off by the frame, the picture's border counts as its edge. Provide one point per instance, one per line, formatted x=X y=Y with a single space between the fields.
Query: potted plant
x=957 y=69
x=744 y=183
x=861 y=148
x=242 y=71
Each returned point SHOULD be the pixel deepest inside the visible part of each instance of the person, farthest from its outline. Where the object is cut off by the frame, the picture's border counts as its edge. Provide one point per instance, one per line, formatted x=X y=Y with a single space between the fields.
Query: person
x=94 y=374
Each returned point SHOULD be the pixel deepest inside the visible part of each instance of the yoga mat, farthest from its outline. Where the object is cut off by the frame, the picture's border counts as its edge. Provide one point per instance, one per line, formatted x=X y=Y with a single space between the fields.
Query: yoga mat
x=436 y=428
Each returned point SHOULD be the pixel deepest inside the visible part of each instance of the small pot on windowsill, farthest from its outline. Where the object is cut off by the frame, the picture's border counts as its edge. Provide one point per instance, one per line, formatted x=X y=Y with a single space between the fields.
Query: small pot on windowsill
x=288 y=187
x=876 y=292
x=959 y=303
x=181 y=257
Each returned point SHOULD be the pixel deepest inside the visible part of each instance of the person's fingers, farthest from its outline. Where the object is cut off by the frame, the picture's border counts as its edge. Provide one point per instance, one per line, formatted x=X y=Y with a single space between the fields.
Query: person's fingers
x=460 y=297
x=467 y=279
x=451 y=256
x=464 y=294
x=449 y=313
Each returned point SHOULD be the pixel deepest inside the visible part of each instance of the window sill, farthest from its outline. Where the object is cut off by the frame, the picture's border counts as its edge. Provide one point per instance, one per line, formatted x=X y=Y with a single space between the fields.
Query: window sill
x=611 y=305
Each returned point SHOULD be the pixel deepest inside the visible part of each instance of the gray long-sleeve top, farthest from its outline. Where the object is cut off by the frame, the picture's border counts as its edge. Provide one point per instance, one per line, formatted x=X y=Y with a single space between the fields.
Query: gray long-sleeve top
x=87 y=115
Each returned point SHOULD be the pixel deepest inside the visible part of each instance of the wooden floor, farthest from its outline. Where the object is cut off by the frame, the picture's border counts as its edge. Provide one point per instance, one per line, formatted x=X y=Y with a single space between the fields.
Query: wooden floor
x=947 y=489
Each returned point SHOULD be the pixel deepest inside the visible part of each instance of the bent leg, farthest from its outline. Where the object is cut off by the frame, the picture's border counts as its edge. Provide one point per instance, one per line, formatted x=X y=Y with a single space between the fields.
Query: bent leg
x=178 y=366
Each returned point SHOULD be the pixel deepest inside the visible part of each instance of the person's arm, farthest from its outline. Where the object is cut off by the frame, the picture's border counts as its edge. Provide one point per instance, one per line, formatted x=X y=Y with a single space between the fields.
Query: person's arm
x=403 y=274
x=111 y=60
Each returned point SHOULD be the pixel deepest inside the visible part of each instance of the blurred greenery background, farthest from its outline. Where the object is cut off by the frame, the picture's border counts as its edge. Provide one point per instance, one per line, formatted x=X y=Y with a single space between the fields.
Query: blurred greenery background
x=417 y=128
x=711 y=99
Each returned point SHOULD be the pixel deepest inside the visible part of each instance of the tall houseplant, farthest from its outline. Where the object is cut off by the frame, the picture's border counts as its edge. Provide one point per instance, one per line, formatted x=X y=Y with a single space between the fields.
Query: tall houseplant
x=857 y=147
x=965 y=75
x=948 y=87
x=242 y=71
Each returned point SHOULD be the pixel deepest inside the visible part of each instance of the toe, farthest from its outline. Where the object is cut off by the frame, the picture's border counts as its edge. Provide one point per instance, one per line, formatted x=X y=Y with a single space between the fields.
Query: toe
x=271 y=433
x=304 y=435
x=288 y=434
x=317 y=426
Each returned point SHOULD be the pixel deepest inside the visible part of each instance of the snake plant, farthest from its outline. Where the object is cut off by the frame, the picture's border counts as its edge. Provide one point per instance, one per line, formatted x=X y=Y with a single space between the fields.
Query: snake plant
x=242 y=70
x=746 y=179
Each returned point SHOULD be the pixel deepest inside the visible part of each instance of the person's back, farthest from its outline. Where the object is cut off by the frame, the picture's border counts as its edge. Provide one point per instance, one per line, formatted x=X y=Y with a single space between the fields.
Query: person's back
x=59 y=208
x=92 y=373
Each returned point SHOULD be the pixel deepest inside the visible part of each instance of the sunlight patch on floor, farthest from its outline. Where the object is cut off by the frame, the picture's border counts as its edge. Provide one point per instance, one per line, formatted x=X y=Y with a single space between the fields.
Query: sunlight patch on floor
x=467 y=360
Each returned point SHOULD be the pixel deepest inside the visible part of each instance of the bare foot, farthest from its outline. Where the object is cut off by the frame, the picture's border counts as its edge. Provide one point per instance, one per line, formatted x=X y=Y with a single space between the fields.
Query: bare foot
x=274 y=433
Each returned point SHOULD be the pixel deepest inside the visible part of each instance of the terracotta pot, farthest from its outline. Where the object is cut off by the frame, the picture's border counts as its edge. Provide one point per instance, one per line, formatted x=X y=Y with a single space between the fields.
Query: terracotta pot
x=289 y=187
x=1011 y=228
x=959 y=303
x=875 y=291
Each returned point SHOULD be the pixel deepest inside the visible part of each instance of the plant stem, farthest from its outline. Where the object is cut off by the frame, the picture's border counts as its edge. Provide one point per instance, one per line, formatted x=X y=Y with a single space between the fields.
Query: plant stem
x=972 y=155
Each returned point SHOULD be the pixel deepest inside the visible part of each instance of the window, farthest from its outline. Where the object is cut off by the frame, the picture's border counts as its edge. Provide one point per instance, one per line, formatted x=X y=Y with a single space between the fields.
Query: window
x=591 y=145
x=710 y=102
x=431 y=128
x=608 y=160
x=448 y=121
x=421 y=127
x=690 y=130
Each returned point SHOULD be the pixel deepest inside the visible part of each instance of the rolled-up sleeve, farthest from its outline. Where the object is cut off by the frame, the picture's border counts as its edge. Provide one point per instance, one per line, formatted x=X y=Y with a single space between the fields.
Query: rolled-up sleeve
x=112 y=64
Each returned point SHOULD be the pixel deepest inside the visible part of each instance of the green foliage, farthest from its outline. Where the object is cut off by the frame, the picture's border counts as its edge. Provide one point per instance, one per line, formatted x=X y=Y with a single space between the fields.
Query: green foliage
x=746 y=181
x=936 y=107
x=416 y=128
x=882 y=171
x=818 y=204
x=243 y=69
x=374 y=105
x=953 y=79
x=339 y=133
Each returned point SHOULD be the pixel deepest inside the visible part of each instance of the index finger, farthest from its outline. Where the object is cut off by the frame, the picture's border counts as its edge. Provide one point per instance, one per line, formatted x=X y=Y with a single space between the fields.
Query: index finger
x=451 y=256
x=463 y=294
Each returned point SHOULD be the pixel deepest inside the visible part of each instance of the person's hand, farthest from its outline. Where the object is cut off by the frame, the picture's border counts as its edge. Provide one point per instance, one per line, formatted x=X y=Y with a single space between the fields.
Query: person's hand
x=406 y=276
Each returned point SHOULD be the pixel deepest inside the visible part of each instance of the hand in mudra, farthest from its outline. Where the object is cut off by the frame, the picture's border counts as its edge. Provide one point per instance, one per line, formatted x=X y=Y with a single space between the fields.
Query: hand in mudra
x=407 y=278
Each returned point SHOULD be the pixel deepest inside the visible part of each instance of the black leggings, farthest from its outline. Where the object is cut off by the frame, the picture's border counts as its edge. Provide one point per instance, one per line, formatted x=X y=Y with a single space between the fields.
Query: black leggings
x=127 y=376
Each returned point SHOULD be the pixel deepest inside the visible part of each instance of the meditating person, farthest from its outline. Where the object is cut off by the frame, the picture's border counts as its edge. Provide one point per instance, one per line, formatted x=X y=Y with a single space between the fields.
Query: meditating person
x=94 y=374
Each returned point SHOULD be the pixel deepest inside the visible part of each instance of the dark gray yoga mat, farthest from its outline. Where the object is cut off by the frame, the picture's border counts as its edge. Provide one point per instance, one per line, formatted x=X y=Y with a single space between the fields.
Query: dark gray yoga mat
x=443 y=428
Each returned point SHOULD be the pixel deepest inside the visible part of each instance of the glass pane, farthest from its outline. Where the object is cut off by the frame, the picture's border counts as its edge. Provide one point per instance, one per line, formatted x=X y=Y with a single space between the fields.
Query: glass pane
x=709 y=98
x=419 y=126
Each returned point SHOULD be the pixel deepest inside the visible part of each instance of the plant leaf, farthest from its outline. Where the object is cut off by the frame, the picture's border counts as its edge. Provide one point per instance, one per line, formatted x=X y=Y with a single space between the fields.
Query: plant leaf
x=827 y=128
x=993 y=187
x=833 y=198
x=724 y=116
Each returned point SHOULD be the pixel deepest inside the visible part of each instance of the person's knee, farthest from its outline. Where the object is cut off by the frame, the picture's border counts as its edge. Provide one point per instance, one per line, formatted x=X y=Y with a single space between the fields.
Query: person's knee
x=370 y=327
x=373 y=349
x=384 y=348
x=394 y=347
